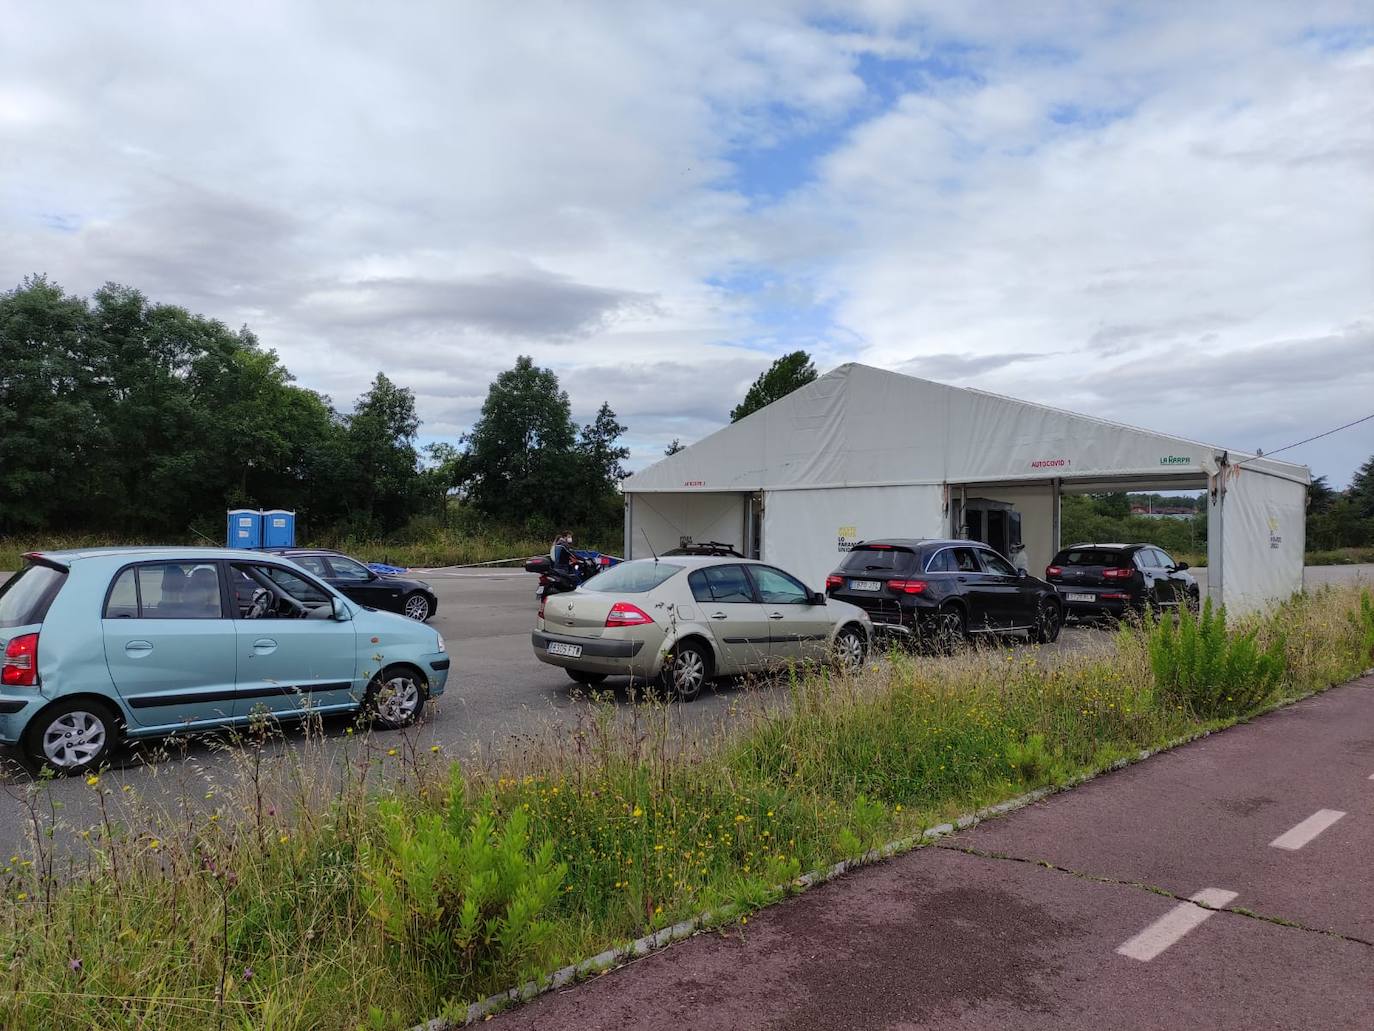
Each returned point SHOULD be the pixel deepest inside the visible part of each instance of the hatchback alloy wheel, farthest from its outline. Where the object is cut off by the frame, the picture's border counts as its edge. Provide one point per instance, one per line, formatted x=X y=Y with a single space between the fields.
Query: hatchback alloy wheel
x=395 y=698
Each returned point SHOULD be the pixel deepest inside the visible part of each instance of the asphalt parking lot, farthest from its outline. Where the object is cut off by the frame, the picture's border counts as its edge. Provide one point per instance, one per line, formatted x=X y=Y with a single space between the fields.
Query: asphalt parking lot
x=499 y=695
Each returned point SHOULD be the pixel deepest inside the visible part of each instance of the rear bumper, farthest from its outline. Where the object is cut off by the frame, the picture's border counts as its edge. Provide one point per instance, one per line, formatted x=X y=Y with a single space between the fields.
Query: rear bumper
x=1110 y=603
x=613 y=657
x=15 y=712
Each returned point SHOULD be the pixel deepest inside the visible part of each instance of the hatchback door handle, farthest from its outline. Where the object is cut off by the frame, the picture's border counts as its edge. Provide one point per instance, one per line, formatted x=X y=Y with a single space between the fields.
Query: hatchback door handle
x=134 y=649
x=719 y=615
x=264 y=646
x=775 y=615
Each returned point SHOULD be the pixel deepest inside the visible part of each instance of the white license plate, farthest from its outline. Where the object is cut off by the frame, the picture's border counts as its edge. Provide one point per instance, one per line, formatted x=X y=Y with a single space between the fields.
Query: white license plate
x=572 y=651
x=865 y=585
x=1080 y=597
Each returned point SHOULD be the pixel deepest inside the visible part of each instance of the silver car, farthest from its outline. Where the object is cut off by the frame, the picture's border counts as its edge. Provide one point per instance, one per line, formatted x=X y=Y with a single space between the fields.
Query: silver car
x=682 y=621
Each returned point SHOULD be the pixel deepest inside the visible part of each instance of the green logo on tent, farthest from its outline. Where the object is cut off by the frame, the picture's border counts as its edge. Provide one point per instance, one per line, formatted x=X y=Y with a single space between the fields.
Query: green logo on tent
x=1175 y=460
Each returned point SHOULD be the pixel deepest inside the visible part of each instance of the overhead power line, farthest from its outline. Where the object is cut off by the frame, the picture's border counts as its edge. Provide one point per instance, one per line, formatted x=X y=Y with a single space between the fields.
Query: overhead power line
x=1308 y=440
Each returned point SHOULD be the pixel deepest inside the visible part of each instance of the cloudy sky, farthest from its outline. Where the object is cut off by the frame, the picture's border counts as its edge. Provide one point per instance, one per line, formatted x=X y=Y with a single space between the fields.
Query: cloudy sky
x=1160 y=213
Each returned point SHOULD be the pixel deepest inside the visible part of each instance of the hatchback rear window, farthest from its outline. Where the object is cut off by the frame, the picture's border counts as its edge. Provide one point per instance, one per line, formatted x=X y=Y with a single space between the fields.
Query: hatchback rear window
x=25 y=597
x=632 y=577
x=1092 y=557
x=878 y=560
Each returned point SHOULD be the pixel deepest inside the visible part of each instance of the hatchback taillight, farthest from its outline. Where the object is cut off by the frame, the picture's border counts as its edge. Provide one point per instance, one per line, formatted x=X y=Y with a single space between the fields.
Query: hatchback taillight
x=833 y=581
x=907 y=586
x=1117 y=574
x=624 y=614
x=20 y=668
x=1053 y=571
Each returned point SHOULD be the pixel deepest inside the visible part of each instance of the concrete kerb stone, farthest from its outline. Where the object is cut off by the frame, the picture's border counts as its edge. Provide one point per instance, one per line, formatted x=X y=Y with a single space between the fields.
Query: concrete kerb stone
x=611 y=958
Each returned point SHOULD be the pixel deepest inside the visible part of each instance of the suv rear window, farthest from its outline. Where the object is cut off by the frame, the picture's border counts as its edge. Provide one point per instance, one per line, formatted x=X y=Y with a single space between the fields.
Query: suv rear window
x=1092 y=557
x=872 y=559
x=25 y=597
x=632 y=577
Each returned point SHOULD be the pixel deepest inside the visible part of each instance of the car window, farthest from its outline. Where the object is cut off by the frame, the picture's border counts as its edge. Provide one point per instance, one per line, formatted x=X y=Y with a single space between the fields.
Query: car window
x=777 y=588
x=123 y=600
x=1163 y=559
x=721 y=584
x=265 y=591
x=179 y=590
x=635 y=577
x=996 y=564
x=941 y=562
x=312 y=564
x=347 y=569
x=26 y=596
x=965 y=561
x=882 y=559
x=1089 y=557
x=1145 y=558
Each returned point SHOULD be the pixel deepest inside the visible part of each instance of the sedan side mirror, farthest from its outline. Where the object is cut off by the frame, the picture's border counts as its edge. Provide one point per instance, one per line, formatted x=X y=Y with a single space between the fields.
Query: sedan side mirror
x=338 y=610
x=1180 y=567
x=817 y=598
x=1022 y=573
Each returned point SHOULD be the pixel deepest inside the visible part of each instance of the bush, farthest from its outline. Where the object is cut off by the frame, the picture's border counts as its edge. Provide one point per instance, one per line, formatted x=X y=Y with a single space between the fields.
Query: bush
x=458 y=888
x=1210 y=670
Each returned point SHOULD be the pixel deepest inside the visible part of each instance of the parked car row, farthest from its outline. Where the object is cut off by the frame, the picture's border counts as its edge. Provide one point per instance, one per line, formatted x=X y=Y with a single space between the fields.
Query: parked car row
x=106 y=644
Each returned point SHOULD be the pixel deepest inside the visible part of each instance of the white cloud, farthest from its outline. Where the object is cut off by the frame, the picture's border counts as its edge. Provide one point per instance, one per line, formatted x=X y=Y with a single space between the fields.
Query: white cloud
x=1107 y=191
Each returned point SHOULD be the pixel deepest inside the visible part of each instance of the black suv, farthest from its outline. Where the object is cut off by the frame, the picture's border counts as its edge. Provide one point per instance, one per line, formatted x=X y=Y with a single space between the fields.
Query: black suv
x=352 y=579
x=944 y=590
x=1114 y=579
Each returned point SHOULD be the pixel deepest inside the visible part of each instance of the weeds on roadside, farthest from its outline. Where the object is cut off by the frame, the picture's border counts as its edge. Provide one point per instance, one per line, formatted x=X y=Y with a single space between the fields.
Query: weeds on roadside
x=1214 y=671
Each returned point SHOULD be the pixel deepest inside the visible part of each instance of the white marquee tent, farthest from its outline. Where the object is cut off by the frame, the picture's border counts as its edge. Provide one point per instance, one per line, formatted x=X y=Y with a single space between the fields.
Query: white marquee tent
x=863 y=453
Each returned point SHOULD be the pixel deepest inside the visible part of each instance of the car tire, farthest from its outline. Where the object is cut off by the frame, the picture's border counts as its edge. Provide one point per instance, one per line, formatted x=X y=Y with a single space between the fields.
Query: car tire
x=850 y=650
x=417 y=606
x=72 y=737
x=686 y=671
x=948 y=629
x=585 y=678
x=396 y=697
x=1049 y=620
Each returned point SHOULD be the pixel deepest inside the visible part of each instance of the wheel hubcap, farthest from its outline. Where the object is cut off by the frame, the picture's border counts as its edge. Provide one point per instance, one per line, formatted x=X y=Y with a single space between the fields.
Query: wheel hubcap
x=417 y=608
x=688 y=672
x=851 y=651
x=398 y=699
x=73 y=738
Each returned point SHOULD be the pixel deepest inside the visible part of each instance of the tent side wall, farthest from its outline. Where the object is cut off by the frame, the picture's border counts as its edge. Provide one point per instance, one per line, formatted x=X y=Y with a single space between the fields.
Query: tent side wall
x=808 y=532
x=669 y=520
x=1256 y=537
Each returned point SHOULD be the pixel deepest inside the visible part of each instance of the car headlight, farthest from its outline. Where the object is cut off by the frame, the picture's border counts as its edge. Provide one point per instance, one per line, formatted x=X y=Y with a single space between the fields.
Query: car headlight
x=439 y=644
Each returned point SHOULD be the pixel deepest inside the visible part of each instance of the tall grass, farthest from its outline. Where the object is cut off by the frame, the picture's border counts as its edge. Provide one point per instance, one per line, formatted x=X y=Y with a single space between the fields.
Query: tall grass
x=357 y=881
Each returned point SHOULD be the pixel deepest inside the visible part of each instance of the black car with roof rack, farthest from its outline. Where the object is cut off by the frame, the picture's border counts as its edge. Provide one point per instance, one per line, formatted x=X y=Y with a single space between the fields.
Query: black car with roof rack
x=943 y=590
x=1116 y=579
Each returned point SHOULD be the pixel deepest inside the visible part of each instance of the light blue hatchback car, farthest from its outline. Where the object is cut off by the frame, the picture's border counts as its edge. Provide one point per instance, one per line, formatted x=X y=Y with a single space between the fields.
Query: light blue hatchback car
x=106 y=644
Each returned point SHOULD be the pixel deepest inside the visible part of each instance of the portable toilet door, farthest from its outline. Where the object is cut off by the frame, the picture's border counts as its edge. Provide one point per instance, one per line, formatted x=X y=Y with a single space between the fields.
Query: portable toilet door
x=278 y=529
x=245 y=528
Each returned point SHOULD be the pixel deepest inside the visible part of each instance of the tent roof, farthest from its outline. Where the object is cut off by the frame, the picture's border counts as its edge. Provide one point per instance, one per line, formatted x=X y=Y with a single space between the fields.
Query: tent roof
x=861 y=426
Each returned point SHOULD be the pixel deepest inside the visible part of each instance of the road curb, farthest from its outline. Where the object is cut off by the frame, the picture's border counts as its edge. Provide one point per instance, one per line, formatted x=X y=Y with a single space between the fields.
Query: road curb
x=611 y=958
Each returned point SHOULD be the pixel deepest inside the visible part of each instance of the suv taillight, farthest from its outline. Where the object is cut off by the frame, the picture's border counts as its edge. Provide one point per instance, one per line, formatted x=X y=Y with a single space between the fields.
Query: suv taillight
x=1053 y=571
x=1117 y=574
x=624 y=614
x=833 y=581
x=907 y=586
x=20 y=667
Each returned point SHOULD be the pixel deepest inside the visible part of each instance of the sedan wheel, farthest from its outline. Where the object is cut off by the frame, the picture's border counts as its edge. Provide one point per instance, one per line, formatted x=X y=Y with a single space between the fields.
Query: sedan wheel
x=395 y=698
x=850 y=650
x=417 y=607
x=72 y=738
x=685 y=672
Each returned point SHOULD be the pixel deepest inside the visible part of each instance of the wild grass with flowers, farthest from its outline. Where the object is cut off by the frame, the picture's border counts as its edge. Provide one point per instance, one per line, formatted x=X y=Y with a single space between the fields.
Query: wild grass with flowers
x=349 y=880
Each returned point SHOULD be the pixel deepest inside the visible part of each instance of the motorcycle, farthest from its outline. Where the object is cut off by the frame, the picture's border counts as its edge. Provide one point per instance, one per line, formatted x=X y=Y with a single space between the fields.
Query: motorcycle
x=554 y=579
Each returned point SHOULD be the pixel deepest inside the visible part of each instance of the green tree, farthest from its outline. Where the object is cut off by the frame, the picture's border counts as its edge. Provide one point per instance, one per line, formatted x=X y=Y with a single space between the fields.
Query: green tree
x=601 y=455
x=521 y=461
x=1320 y=496
x=674 y=447
x=1361 y=491
x=785 y=375
x=381 y=445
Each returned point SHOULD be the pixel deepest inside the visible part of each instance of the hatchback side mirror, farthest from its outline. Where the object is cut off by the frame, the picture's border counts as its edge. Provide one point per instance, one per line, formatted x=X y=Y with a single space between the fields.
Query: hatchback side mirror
x=338 y=610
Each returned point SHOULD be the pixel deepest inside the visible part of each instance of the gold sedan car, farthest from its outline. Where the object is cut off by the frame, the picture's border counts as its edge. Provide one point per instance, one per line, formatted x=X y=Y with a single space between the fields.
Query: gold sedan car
x=682 y=621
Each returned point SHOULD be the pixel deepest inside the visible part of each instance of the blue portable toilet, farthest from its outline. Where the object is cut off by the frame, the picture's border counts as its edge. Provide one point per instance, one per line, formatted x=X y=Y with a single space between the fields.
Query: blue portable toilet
x=245 y=528
x=278 y=529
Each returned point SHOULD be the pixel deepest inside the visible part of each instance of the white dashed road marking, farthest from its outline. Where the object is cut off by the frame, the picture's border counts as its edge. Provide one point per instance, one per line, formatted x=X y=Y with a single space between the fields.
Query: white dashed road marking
x=1307 y=830
x=1174 y=924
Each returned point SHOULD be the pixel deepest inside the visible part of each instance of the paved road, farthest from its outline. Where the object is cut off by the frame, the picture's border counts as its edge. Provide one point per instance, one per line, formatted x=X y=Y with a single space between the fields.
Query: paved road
x=499 y=695
x=1074 y=913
